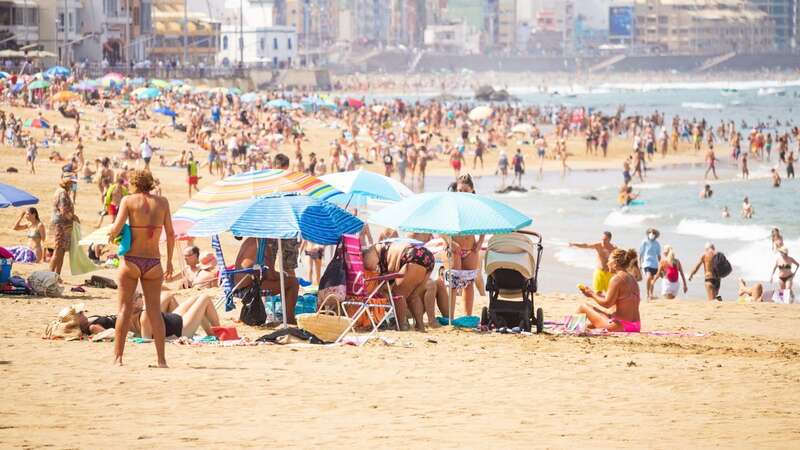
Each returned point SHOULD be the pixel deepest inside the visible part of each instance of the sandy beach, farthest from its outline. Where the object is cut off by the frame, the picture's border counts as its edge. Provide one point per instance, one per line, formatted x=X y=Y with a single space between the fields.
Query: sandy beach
x=724 y=375
x=733 y=387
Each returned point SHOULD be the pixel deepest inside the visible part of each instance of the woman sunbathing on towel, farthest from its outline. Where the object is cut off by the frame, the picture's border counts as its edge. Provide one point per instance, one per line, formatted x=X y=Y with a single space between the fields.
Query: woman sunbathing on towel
x=415 y=264
x=180 y=319
x=618 y=310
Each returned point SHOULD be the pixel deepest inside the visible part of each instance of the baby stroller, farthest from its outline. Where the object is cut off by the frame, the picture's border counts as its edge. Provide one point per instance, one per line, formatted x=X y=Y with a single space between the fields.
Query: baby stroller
x=512 y=269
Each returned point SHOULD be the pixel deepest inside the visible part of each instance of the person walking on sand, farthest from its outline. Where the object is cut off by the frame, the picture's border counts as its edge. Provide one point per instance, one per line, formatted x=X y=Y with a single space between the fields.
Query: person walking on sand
x=146 y=215
x=192 y=169
x=669 y=269
x=63 y=219
x=603 y=248
x=712 y=280
x=650 y=258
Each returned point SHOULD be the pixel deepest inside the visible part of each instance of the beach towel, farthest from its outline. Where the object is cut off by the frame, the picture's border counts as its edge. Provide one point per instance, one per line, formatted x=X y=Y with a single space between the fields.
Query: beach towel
x=461 y=322
x=79 y=262
x=22 y=254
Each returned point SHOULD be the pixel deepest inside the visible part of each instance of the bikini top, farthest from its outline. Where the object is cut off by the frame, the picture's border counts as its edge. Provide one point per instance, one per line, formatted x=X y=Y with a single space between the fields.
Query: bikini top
x=151 y=228
x=35 y=234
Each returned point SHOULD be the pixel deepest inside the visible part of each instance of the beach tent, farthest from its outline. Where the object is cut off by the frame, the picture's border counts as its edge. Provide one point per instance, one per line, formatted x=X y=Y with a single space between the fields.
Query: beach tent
x=281 y=216
x=451 y=214
x=12 y=196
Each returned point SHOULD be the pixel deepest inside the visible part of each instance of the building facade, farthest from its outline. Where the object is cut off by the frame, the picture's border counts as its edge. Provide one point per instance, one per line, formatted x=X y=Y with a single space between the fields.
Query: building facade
x=248 y=36
x=711 y=26
x=201 y=35
x=19 y=24
x=784 y=16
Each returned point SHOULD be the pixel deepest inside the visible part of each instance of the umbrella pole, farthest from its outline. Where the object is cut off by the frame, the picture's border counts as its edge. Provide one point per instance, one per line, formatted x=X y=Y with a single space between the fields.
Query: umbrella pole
x=279 y=262
x=451 y=290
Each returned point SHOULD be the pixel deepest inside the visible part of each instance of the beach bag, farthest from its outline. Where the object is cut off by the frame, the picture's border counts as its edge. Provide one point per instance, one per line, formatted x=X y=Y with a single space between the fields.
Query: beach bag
x=334 y=280
x=45 y=283
x=253 y=311
x=721 y=265
x=101 y=282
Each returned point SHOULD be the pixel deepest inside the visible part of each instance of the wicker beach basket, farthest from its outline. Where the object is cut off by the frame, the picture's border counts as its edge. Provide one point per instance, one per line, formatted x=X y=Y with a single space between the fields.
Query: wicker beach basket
x=324 y=324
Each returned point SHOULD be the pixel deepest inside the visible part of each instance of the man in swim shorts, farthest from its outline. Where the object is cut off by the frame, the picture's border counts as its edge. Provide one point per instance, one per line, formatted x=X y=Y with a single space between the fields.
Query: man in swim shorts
x=603 y=248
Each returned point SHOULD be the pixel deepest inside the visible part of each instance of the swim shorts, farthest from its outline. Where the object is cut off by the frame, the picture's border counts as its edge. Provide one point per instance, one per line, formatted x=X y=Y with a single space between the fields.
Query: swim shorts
x=601 y=280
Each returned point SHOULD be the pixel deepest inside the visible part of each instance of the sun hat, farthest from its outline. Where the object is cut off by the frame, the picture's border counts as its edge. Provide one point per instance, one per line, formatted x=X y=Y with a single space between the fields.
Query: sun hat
x=67 y=326
x=207 y=261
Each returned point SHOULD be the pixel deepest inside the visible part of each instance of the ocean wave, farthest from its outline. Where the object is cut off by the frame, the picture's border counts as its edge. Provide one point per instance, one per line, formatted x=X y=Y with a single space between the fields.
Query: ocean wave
x=646 y=186
x=738 y=85
x=702 y=105
x=560 y=191
x=754 y=261
x=628 y=220
x=712 y=230
x=576 y=257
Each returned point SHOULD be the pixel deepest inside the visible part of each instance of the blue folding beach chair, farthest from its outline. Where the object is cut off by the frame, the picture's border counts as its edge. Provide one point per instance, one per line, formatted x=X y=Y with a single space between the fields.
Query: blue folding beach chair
x=227 y=276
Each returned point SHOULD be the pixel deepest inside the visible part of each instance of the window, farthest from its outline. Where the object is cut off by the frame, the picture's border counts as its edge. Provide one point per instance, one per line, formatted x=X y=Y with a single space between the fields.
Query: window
x=274 y=43
x=289 y=43
x=275 y=61
x=60 y=22
x=145 y=17
x=110 y=8
x=225 y=42
x=263 y=44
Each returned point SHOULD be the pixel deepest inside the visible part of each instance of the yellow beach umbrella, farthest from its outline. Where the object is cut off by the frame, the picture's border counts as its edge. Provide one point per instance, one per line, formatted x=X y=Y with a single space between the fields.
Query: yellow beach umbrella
x=65 y=96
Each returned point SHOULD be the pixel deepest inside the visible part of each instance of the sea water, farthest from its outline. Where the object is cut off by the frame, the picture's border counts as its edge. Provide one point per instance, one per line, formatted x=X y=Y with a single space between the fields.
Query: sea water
x=563 y=212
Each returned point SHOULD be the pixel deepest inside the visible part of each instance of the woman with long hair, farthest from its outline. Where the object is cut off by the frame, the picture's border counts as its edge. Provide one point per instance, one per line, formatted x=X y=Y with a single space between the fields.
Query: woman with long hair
x=618 y=310
x=146 y=214
x=36 y=231
x=669 y=268
x=466 y=249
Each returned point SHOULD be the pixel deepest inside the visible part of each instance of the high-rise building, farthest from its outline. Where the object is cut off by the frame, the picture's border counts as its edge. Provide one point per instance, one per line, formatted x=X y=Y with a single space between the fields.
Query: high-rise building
x=711 y=26
x=363 y=22
x=783 y=14
x=406 y=23
x=506 y=25
x=199 y=42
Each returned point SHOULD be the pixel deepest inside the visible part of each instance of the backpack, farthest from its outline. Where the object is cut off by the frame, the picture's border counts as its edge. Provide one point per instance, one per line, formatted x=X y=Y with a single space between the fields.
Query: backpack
x=253 y=311
x=721 y=265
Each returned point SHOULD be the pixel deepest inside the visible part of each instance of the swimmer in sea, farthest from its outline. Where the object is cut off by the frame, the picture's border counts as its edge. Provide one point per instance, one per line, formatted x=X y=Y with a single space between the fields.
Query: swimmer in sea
x=747 y=209
x=706 y=192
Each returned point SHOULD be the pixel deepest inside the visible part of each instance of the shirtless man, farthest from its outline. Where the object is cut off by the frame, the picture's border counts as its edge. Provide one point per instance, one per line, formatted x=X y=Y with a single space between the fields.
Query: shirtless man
x=712 y=281
x=603 y=248
x=711 y=160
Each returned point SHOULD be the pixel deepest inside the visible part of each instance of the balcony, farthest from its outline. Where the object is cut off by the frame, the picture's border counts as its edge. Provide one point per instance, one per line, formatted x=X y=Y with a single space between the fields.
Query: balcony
x=118 y=20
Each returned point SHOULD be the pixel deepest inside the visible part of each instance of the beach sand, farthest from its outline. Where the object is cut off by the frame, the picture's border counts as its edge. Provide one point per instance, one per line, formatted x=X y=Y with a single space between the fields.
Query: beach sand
x=736 y=386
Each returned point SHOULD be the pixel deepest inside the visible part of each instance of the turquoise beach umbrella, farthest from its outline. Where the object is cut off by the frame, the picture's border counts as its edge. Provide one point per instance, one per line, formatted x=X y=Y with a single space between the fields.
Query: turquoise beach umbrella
x=147 y=93
x=452 y=214
x=38 y=84
x=279 y=103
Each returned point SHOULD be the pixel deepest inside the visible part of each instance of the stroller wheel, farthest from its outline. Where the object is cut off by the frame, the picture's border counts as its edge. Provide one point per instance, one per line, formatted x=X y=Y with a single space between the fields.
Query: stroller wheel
x=485 y=316
x=539 y=320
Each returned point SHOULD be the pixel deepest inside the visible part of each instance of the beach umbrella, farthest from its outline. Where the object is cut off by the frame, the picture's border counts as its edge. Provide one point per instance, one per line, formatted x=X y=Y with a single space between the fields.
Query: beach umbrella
x=329 y=105
x=146 y=93
x=161 y=84
x=451 y=214
x=11 y=196
x=279 y=103
x=39 y=84
x=234 y=91
x=362 y=185
x=85 y=85
x=244 y=186
x=36 y=123
x=523 y=128
x=283 y=216
x=65 y=96
x=480 y=113
x=4 y=74
x=114 y=76
x=138 y=81
x=250 y=97
x=176 y=82
x=354 y=103
x=57 y=71
x=165 y=111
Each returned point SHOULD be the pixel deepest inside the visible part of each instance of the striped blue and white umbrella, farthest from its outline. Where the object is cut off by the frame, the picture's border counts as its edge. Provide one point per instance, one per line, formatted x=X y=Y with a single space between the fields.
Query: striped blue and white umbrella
x=285 y=216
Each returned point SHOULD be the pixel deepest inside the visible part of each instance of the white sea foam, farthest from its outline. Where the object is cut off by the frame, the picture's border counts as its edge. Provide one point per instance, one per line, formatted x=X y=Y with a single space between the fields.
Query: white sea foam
x=702 y=105
x=712 y=230
x=754 y=261
x=646 y=186
x=559 y=191
x=627 y=219
x=575 y=257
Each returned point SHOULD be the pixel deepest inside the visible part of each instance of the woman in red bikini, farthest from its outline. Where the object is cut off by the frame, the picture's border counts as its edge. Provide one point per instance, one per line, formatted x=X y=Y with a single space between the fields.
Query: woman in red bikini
x=146 y=214
x=618 y=310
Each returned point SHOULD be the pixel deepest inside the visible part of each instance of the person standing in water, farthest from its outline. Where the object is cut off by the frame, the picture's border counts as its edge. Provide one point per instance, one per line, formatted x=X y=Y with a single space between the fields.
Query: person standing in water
x=603 y=248
x=711 y=161
x=146 y=214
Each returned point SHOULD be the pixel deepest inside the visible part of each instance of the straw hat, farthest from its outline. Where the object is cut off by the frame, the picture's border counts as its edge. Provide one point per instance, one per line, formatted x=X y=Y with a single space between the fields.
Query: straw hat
x=67 y=326
x=207 y=261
